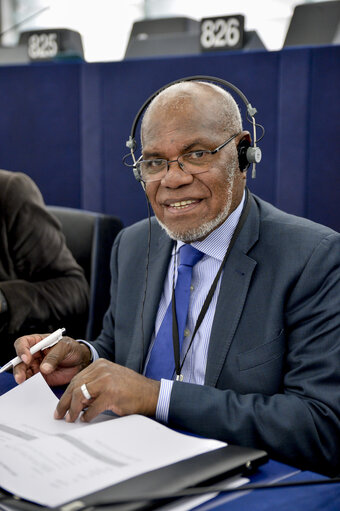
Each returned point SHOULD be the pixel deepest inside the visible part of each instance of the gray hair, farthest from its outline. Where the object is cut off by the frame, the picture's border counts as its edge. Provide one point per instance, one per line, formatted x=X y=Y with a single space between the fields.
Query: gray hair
x=229 y=116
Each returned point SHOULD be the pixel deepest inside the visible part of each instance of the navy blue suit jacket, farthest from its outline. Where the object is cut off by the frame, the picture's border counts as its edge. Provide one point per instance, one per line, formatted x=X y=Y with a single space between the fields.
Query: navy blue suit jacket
x=273 y=369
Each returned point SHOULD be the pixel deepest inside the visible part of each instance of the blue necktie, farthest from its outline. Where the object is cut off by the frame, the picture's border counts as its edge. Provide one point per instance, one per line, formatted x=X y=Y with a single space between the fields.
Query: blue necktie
x=161 y=363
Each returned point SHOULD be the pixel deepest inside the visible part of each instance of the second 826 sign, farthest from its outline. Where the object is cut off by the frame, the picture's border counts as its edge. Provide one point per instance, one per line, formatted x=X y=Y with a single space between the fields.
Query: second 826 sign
x=222 y=33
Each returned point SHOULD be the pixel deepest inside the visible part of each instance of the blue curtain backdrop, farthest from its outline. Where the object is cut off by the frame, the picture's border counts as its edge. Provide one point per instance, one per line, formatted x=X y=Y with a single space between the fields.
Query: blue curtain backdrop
x=66 y=124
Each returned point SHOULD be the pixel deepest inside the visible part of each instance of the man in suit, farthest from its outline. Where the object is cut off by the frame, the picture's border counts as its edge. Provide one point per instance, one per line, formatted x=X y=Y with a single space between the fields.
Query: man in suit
x=41 y=285
x=263 y=368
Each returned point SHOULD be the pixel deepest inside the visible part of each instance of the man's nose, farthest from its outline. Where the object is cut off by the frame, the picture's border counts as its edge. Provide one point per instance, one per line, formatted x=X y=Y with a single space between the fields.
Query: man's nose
x=175 y=176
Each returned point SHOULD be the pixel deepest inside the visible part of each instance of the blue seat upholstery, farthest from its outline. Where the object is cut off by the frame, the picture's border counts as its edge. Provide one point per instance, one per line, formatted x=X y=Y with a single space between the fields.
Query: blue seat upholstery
x=90 y=236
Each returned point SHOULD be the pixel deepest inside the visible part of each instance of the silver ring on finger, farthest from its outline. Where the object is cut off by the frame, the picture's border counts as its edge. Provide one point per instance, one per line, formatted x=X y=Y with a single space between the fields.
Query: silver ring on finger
x=85 y=392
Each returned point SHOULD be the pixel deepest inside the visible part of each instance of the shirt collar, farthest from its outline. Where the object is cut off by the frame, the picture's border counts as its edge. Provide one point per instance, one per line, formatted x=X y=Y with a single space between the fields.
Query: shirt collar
x=217 y=242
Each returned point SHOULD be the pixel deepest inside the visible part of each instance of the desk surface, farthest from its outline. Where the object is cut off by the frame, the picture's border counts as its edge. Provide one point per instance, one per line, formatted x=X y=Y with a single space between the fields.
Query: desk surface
x=7 y=382
x=306 y=498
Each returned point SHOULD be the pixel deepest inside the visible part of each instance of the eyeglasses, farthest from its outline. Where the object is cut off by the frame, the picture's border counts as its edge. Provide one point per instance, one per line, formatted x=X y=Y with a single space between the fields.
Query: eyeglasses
x=190 y=163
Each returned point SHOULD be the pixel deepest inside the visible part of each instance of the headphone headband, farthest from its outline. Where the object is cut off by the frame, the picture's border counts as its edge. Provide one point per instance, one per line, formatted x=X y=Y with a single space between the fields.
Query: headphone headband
x=253 y=154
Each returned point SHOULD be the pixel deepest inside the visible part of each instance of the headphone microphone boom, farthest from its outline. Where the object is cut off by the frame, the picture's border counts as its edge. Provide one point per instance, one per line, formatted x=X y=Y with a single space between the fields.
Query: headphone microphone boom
x=247 y=154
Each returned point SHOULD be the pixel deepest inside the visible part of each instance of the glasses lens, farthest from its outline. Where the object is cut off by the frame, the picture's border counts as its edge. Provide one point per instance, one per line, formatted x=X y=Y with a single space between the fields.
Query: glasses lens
x=152 y=170
x=195 y=162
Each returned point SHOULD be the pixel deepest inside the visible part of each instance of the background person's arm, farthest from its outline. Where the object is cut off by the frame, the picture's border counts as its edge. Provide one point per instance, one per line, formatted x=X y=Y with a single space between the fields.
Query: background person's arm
x=44 y=287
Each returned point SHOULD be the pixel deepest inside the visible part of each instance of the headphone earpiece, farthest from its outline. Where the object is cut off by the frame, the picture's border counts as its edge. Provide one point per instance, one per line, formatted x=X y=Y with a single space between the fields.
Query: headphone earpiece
x=247 y=154
x=242 y=154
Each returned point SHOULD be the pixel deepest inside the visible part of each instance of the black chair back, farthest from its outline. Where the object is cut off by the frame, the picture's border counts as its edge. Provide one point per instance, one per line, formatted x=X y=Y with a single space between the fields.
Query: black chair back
x=90 y=236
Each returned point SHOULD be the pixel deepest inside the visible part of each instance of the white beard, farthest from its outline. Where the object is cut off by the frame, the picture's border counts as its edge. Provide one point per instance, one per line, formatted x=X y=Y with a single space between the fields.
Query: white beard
x=202 y=231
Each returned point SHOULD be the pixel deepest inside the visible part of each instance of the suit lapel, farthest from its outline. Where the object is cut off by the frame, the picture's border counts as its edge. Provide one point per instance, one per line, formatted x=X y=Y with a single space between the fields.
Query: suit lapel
x=160 y=253
x=233 y=293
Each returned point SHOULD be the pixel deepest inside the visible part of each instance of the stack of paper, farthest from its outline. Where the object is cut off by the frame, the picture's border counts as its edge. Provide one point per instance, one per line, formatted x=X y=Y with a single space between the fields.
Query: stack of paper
x=53 y=462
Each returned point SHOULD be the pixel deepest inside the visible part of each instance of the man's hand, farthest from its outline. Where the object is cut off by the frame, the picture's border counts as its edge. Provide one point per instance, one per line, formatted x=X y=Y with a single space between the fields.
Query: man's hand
x=112 y=387
x=58 y=364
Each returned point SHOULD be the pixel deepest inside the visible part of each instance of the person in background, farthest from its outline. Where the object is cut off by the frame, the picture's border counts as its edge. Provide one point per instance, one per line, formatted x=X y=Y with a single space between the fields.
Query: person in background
x=41 y=285
x=263 y=368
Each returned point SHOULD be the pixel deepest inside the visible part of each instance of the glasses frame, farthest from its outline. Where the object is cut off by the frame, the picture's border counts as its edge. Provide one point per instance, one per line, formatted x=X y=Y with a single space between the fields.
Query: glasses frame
x=181 y=165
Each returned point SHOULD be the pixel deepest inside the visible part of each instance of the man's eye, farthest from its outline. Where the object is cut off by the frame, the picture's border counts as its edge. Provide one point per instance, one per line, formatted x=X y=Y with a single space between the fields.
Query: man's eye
x=153 y=163
x=157 y=163
x=152 y=166
x=196 y=155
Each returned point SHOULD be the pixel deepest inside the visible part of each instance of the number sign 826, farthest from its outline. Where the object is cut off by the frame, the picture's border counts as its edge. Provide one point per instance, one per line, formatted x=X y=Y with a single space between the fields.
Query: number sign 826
x=222 y=33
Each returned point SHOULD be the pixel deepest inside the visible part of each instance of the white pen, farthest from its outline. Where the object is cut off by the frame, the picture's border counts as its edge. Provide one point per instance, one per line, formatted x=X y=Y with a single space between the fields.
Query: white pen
x=47 y=342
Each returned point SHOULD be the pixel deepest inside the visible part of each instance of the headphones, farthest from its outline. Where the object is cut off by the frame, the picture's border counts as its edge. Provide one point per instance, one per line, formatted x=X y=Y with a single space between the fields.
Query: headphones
x=247 y=154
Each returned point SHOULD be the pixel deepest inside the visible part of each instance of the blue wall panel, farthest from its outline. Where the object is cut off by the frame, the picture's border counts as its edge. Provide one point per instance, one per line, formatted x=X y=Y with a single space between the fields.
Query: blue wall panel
x=39 y=128
x=66 y=125
x=293 y=136
x=323 y=180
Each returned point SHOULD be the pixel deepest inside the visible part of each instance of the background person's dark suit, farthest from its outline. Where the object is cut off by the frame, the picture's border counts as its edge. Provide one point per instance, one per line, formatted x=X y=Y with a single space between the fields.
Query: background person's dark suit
x=272 y=378
x=43 y=285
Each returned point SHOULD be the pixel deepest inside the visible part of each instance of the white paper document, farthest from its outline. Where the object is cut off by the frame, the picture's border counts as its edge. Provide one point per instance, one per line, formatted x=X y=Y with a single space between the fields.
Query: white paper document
x=26 y=412
x=78 y=459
